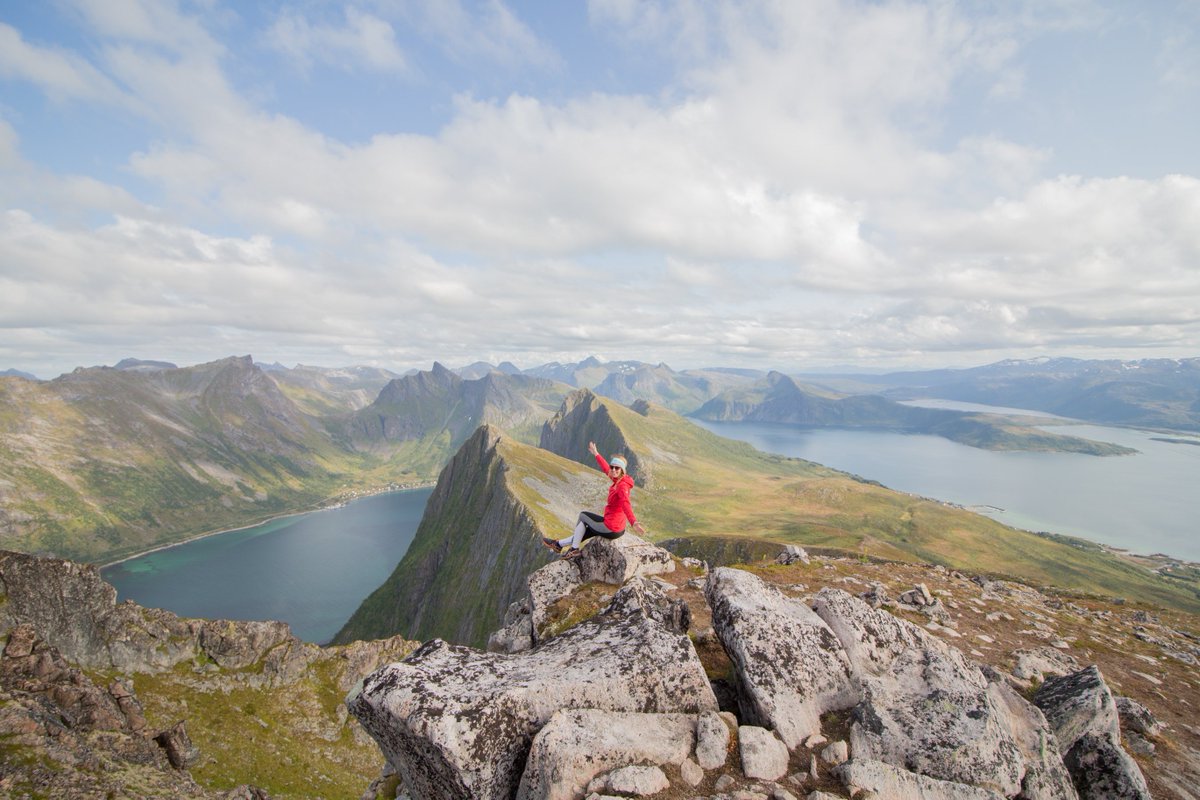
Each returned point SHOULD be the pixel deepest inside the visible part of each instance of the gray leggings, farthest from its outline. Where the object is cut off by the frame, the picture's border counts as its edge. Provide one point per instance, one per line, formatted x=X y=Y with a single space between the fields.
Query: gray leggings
x=590 y=524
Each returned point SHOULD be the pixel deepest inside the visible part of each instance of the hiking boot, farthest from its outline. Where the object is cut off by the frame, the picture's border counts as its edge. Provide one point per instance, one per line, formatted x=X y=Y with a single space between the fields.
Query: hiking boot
x=571 y=552
x=552 y=544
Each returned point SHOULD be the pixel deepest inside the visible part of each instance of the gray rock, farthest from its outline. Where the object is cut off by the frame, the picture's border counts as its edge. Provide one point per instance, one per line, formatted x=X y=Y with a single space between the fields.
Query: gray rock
x=925 y=708
x=1084 y=715
x=792 y=554
x=763 y=755
x=1077 y=705
x=712 y=741
x=691 y=772
x=917 y=596
x=638 y=781
x=1136 y=718
x=790 y=667
x=1040 y=663
x=887 y=781
x=178 y=746
x=1104 y=771
x=876 y=596
x=77 y=613
x=606 y=561
x=618 y=560
x=836 y=753
x=515 y=637
x=577 y=745
x=457 y=722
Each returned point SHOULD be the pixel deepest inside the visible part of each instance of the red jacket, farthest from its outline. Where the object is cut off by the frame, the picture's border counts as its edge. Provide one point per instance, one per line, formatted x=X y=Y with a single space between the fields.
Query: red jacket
x=618 y=509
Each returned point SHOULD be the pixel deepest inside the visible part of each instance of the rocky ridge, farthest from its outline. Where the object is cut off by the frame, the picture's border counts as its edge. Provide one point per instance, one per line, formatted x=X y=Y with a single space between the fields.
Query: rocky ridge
x=476 y=542
x=833 y=677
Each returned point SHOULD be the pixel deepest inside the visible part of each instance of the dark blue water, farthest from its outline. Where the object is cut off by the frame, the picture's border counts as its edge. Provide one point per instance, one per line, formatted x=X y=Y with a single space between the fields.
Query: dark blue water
x=310 y=571
x=1147 y=503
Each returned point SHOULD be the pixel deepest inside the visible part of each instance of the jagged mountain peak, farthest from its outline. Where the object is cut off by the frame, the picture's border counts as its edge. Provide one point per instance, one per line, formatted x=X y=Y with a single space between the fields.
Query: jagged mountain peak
x=583 y=418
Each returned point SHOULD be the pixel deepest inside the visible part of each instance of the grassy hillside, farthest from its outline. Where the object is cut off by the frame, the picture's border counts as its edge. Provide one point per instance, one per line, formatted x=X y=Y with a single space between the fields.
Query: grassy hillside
x=703 y=485
x=103 y=462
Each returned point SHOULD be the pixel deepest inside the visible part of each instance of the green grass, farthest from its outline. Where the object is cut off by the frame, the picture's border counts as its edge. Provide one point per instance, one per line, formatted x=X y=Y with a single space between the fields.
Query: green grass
x=702 y=485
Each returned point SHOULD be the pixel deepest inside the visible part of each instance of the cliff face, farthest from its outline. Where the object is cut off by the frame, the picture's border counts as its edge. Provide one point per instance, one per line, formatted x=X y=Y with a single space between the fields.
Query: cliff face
x=438 y=403
x=584 y=418
x=478 y=539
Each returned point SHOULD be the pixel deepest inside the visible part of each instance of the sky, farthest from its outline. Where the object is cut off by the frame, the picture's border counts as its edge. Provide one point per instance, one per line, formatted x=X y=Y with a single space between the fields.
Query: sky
x=789 y=184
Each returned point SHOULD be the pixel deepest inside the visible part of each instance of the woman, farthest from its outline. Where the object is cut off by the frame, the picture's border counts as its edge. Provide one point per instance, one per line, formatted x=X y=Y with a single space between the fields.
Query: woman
x=616 y=512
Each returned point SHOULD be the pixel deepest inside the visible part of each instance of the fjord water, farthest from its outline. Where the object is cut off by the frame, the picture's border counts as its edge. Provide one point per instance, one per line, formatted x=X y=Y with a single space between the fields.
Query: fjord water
x=1146 y=503
x=310 y=570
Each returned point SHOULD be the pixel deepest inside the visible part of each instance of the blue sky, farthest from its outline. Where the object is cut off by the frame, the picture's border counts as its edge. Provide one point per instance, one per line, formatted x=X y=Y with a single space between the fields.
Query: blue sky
x=792 y=184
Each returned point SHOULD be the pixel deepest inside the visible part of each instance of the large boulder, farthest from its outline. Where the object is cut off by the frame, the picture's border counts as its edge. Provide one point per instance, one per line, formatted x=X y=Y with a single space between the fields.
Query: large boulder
x=928 y=710
x=1085 y=718
x=613 y=561
x=619 y=560
x=791 y=668
x=458 y=722
x=884 y=780
x=577 y=745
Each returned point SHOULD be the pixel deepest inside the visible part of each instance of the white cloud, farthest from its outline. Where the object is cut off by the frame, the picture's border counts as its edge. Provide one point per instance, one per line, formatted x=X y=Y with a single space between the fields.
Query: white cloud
x=363 y=40
x=62 y=75
x=491 y=34
x=792 y=193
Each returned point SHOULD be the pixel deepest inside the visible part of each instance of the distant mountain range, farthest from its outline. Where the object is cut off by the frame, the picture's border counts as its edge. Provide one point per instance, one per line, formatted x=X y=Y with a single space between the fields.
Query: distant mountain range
x=107 y=461
x=1154 y=393
x=780 y=399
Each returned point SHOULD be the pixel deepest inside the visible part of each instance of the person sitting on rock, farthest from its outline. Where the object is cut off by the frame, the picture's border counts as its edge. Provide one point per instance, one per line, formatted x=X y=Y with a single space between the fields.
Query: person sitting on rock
x=617 y=511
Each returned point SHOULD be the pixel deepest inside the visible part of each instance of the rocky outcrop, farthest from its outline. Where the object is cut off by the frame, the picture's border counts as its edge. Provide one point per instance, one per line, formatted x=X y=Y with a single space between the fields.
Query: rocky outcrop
x=925 y=708
x=915 y=702
x=920 y=720
x=577 y=745
x=77 y=613
x=612 y=561
x=790 y=666
x=1086 y=721
x=66 y=733
x=80 y=733
x=459 y=723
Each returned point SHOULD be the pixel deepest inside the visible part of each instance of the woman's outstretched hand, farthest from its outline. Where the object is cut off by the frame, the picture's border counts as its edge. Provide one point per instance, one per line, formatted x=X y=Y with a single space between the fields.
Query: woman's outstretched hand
x=592 y=448
x=637 y=526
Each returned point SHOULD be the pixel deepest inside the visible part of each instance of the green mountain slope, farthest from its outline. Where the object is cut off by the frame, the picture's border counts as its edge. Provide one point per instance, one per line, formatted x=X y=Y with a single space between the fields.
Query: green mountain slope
x=477 y=542
x=103 y=462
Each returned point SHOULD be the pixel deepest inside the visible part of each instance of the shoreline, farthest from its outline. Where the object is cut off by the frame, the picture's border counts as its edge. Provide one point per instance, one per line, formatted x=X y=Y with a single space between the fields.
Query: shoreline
x=338 y=501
